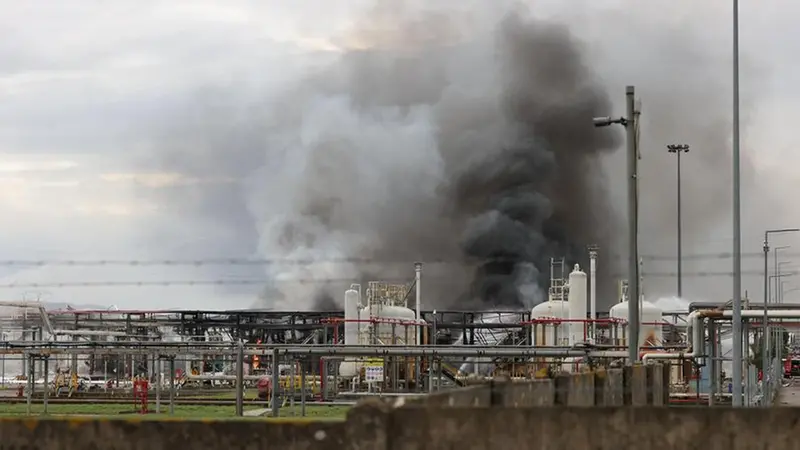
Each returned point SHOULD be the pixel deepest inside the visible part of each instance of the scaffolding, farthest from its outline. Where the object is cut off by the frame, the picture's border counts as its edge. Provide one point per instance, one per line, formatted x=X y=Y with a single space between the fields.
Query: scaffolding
x=558 y=280
x=380 y=294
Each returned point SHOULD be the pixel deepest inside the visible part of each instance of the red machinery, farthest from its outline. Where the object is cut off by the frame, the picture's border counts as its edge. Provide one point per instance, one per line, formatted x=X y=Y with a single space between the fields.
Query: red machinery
x=791 y=366
x=264 y=387
x=140 y=390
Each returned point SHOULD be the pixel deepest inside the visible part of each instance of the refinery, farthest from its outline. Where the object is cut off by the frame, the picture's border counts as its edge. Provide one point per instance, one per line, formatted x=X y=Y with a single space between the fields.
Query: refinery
x=377 y=346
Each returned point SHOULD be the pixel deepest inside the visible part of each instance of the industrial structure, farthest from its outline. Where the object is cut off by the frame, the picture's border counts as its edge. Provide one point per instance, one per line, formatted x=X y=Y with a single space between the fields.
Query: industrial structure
x=384 y=341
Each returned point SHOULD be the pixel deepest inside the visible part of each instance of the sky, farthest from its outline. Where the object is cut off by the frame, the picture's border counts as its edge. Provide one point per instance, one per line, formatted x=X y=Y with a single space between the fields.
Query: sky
x=93 y=93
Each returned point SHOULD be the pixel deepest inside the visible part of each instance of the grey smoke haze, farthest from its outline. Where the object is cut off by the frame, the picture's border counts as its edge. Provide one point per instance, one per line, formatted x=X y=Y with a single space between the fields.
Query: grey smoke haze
x=447 y=138
x=685 y=88
x=212 y=75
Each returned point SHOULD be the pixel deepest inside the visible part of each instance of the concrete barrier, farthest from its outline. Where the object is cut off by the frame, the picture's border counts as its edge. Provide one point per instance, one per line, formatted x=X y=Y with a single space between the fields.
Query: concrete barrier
x=596 y=428
x=609 y=388
x=635 y=386
x=84 y=434
x=534 y=393
x=488 y=415
x=575 y=389
x=377 y=426
x=476 y=396
x=655 y=385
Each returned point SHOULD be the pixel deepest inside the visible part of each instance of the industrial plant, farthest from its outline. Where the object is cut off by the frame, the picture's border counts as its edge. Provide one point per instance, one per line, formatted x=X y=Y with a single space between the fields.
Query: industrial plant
x=384 y=343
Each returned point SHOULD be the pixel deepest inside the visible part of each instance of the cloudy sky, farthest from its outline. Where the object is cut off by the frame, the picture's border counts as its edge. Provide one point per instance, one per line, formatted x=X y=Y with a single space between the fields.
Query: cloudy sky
x=93 y=94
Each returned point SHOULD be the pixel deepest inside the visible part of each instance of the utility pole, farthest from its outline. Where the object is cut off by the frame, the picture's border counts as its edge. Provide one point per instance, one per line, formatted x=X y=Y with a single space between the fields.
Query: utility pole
x=630 y=122
x=678 y=149
x=737 y=225
x=633 y=225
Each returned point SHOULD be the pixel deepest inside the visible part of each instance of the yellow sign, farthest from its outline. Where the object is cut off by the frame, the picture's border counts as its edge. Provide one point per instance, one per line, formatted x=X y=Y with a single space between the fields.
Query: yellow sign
x=373 y=362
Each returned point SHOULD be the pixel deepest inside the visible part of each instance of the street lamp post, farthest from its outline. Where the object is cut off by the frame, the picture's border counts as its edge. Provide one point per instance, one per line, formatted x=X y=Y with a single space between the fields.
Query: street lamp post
x=678 y=149
x=770 y=333
x=776 y=270
x=765 y=325
x=630 y=122
x=778 y=331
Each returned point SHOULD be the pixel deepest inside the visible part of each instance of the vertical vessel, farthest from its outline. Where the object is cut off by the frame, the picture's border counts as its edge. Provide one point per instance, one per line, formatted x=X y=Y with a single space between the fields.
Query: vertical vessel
x=577 y=305
x=352 y=303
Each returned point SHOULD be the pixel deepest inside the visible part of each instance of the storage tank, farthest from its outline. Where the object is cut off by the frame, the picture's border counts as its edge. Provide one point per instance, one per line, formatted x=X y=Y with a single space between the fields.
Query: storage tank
x=549 y=334
x=352 y=302
x=577 y=305
x=650 y=330
x=393 y=325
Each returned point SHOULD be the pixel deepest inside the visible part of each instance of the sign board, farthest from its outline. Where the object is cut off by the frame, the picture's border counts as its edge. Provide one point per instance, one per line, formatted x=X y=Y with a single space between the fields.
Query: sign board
x=373 y=370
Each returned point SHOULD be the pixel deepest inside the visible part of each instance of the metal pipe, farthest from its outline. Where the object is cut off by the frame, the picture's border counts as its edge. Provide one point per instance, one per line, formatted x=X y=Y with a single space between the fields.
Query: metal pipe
x=339 y=350
x=88 y=333
x=779 y=313
x=680 y=226
x=593 y=289
x=46 y=391
x=418 y=283
x=695 y=331
x=240 y=379
x=779 y=337
x=222 y=377
x=31 y=382
x=633 y=227
x=172 y=386
x=737 y=226
x=433 y=351
x=159 y=380
x=276 y=383
x=765 y=328
x=302 y=391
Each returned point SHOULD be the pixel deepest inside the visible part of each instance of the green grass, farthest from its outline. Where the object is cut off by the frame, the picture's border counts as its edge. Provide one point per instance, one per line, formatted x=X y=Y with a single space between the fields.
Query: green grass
x=181 y=411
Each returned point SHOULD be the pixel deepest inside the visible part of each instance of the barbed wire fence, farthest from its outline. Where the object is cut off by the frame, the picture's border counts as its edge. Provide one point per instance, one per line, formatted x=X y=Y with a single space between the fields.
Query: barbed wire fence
x=274 y=261
x=208 y=262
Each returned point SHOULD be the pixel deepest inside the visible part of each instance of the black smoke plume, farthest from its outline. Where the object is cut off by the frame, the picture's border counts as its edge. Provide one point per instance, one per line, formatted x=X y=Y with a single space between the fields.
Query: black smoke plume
x=462 y=141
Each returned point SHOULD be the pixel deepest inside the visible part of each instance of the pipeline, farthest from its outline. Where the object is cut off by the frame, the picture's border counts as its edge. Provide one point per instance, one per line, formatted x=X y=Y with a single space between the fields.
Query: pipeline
x=696 y=333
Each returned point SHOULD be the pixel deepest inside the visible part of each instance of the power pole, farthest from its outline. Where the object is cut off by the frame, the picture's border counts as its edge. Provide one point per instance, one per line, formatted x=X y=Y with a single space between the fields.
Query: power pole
x=737 y=225
x=633 y=225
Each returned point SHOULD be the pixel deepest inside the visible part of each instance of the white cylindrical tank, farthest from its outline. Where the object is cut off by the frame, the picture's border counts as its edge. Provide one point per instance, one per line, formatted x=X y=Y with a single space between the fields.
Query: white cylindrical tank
x=593 y=285
x=390 y=325
x=577 y=305
x=650 y=330
x=551 y=334
x=352 y=302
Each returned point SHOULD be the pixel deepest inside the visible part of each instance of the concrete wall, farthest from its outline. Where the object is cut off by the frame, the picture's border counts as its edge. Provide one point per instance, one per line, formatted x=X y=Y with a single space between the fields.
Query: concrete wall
x=620 y=428
x=19 y=434
x=378 y=426
x=531 y=414
x=634 y=386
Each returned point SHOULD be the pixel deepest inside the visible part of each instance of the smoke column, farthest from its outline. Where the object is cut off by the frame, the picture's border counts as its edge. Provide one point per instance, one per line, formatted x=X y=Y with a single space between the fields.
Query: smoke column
x=461 y=141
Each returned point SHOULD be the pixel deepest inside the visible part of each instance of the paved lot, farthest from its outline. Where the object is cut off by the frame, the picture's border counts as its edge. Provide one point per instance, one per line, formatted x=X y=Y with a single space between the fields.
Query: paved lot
x=790 y=396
